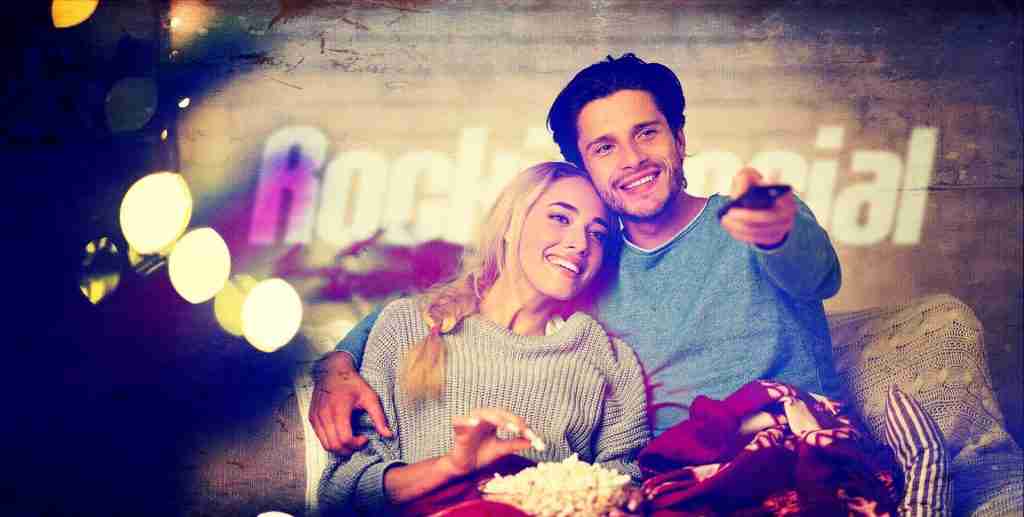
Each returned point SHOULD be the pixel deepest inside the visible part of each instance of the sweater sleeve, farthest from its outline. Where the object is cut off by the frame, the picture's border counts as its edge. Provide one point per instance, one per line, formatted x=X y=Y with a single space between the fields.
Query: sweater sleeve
x=805 y=265
x=359 y=482
x=354 y=343
x=624 y=428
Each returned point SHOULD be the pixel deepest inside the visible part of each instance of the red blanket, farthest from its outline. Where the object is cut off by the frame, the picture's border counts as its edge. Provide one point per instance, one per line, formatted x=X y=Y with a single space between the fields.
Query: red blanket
x=768 y=449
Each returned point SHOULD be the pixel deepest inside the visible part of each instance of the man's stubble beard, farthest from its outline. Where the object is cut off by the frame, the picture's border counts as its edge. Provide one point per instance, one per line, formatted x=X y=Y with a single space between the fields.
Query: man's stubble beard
x=677 y=184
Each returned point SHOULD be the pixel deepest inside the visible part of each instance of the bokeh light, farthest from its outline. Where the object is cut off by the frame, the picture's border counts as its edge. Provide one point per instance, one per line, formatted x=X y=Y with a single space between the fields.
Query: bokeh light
x=274 y=514
x=131 y=104
x=68 y=13
x=183 y=103
x=227 y=305
x=271 y=315
x=101 y=269
x=199 y=265
x=189 y=20
x=155 y=212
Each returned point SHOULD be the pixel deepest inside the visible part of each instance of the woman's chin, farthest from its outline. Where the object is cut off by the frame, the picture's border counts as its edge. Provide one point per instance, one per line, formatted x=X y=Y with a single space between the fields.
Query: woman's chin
x=562 y=295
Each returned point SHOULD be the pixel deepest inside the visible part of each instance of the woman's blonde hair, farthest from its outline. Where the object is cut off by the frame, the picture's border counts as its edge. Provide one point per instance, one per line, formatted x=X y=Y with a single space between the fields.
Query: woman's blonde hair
x=497 y=242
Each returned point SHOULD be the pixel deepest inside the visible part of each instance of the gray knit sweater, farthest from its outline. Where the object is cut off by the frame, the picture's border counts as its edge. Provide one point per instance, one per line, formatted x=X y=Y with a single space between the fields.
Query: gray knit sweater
x=580 y=390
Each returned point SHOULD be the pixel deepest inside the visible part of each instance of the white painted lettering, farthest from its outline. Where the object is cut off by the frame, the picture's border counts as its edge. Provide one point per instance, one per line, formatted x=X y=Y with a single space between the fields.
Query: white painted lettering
x=864 y=211
x=710 y=172
x=822 y=179
x=350 y=205
x=914 y=201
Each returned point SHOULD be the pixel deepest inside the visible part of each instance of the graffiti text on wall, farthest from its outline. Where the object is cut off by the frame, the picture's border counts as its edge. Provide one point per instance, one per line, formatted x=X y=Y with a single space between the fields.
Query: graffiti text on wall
x=425 y=195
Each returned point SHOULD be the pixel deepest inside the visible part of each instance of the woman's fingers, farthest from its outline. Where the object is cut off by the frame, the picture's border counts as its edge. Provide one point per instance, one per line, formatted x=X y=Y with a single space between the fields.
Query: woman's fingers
x=500 y=419
x=512 y=423
x=489 y=420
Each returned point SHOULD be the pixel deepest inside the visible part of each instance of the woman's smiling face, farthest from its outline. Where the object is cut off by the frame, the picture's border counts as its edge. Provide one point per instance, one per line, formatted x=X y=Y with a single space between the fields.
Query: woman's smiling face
x=561 y=245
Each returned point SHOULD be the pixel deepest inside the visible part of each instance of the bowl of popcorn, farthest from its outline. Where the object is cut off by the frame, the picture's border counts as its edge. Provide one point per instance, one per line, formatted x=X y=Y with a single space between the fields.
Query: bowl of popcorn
x=557 y=489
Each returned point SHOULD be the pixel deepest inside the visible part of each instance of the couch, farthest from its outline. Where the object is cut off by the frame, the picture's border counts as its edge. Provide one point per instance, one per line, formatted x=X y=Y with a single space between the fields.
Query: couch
x=932 y=347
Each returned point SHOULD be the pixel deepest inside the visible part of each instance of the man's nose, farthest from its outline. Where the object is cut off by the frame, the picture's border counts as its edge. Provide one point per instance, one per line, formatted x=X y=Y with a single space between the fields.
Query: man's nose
x=632 y=156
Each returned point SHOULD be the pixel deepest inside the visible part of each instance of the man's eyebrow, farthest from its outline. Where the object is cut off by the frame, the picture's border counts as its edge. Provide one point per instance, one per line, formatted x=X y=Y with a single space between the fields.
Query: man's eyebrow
x=602 y=138
x=642 y=125
x=636 y=127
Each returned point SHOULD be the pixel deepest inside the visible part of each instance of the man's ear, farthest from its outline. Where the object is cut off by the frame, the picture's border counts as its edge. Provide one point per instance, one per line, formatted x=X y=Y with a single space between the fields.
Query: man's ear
x=681 y=141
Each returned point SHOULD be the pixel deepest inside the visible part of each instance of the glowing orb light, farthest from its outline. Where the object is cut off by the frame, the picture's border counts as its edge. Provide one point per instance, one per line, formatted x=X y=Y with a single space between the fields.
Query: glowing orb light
x=199 y=265
x=183 y=103
x=131 y=104
x=101 y=270
x=227 y=305
x=68 y=13
x=274 y=514
x=155 y=212
x=271 y=315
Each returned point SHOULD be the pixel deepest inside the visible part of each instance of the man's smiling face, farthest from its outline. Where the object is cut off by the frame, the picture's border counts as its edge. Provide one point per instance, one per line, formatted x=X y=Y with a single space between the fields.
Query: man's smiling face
x=631 y=153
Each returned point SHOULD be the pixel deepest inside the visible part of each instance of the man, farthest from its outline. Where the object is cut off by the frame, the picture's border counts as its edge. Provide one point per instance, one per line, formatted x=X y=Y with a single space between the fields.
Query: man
x=708 y=305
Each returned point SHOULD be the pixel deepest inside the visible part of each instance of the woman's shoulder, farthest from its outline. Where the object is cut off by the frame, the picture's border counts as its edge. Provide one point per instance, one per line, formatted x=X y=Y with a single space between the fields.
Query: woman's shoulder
x=597 y=332
x=400 y=317
x=407 y=306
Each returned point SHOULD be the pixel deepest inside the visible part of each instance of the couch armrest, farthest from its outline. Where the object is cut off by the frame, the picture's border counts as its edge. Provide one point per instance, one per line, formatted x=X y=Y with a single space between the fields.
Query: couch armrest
x=933 y=348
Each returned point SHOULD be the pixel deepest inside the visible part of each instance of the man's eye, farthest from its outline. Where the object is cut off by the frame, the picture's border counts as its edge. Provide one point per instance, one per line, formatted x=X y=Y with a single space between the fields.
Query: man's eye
x=602 y=149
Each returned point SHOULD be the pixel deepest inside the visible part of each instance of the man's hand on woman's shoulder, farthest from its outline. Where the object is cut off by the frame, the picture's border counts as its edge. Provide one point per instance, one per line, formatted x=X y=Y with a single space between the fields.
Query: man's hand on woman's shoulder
x=338 y=392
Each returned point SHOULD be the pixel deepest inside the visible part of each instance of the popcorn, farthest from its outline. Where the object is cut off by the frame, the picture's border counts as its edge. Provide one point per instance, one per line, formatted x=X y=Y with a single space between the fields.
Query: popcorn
x=569 y=487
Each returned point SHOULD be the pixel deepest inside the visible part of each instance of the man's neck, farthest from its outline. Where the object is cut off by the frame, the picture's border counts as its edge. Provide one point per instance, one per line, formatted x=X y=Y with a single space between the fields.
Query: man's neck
x=655 y=231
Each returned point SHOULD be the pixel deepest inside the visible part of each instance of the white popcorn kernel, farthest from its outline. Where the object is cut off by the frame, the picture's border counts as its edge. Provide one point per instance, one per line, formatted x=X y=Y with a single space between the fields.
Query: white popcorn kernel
x=569 y=487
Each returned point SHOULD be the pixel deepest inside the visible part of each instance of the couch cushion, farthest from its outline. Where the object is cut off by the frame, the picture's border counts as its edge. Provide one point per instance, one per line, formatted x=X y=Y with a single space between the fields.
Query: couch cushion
x=933 y=349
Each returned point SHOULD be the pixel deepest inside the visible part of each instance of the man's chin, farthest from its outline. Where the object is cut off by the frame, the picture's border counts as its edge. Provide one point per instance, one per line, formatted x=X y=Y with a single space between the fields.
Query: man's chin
x=642 y=213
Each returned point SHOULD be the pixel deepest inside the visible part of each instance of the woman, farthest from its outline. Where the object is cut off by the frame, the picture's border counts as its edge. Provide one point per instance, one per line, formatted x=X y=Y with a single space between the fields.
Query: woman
x=501 y=350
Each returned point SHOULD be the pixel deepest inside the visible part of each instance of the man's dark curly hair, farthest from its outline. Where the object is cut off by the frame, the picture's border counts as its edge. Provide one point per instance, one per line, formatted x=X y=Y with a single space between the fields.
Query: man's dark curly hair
x=604 y=78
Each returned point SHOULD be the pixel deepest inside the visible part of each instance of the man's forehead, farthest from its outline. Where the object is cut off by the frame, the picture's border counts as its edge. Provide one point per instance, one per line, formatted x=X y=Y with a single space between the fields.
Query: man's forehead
x=620 y=110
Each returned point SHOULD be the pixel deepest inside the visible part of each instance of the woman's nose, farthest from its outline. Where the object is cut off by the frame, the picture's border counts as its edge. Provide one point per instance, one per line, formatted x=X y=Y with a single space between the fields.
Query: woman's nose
x=577 y=241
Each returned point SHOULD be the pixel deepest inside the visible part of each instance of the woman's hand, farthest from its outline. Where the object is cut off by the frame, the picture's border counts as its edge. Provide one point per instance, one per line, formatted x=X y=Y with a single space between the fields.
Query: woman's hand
x=476 y=441
x=630 y=503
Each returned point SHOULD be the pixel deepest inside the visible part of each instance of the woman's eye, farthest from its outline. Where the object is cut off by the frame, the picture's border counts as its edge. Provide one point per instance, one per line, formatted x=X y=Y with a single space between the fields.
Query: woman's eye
x=648 y=133
x=600 y=236
x=559 y=218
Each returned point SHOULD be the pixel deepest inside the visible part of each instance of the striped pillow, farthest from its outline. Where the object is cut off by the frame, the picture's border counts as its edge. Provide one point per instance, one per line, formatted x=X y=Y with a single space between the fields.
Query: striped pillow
x=917 y=443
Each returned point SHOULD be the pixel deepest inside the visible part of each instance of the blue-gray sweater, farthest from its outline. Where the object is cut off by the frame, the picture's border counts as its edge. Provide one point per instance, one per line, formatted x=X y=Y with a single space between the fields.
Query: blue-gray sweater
x=706 y=313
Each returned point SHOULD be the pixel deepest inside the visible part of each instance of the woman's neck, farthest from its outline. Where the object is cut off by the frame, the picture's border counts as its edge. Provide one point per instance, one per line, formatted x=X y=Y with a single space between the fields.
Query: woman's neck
x=508 y=306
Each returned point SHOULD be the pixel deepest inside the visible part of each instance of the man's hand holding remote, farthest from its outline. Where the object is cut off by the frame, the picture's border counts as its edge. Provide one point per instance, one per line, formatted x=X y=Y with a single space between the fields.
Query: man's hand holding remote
x=765 y=227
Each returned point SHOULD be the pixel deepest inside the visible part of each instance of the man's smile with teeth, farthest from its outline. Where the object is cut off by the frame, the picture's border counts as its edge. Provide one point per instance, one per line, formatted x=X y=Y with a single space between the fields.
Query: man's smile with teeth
x=643 y=180
x=559 y=261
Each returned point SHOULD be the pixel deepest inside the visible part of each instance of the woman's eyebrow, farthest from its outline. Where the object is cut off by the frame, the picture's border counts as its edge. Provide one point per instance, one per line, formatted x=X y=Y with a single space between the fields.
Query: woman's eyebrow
x=566 y=206
x=573 y=209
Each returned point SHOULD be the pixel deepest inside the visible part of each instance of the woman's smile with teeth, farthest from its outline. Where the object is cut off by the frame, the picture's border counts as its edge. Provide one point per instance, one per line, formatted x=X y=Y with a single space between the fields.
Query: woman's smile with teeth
x=558 y=261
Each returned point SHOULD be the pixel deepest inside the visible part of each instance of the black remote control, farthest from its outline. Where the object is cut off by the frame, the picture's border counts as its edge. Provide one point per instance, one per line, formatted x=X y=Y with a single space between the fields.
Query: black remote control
x=757 y=197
